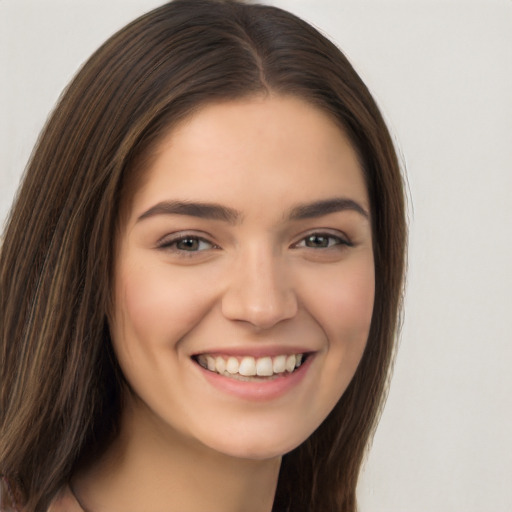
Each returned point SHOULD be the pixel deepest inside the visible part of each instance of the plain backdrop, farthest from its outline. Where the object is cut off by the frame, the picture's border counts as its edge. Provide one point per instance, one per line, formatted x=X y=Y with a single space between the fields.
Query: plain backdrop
x=441 y=72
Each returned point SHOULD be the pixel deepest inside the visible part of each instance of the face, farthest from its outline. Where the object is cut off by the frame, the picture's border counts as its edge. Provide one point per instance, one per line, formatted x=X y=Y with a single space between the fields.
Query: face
x=244 y=279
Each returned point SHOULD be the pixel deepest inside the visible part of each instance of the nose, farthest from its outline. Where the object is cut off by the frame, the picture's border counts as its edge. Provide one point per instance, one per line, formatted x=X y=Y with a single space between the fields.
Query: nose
x=260 y=291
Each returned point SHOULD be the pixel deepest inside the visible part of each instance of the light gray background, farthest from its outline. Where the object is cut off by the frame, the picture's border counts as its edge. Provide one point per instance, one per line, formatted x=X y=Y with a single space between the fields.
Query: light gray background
x=442 y=74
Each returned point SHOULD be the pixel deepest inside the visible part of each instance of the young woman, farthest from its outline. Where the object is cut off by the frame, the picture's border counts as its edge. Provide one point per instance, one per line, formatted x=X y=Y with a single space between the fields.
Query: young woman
x=201 y=274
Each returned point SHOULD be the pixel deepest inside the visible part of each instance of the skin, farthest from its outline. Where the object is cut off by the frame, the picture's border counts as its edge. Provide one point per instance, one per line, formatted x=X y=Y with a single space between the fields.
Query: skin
x=268 y=278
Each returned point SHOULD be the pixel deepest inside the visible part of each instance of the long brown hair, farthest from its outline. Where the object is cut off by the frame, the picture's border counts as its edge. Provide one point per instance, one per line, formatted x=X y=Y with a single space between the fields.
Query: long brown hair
x=61 y=385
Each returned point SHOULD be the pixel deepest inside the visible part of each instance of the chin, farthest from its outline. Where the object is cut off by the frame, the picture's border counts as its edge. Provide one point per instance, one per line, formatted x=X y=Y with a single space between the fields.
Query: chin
x=257 y=451
x=262 y=443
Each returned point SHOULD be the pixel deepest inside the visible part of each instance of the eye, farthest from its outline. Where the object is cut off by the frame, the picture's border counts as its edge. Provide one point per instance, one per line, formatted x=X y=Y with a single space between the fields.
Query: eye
x=186 y=244
x=322 y=241
x=192 y=244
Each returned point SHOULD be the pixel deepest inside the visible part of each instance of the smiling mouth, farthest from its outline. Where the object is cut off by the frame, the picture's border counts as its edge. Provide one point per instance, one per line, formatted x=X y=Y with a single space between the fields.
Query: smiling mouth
x=250 y=368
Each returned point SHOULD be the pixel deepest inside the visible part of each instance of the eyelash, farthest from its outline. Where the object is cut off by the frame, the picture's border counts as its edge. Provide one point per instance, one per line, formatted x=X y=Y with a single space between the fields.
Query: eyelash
x=172 y=244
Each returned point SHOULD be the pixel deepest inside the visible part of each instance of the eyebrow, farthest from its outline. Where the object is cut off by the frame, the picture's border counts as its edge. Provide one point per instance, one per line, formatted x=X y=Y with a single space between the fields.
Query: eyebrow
x=223 y=213
x=193 y=209
x=326 y=206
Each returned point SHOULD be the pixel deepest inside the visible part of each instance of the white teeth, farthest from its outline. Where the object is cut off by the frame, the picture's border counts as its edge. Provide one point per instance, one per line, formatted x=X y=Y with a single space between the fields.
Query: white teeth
x=264 y=367
x=220 y=363
x=210 y=363
x=279 y=364
x=249 y=366
x=290 y=363
x=232 y=365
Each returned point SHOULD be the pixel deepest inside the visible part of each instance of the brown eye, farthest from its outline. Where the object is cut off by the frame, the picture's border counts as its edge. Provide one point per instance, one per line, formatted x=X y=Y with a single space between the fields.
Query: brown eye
x=318 y=241
x=188 y=244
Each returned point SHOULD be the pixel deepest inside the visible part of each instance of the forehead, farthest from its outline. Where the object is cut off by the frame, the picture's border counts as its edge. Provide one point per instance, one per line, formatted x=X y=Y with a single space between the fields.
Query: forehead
x=255 y=148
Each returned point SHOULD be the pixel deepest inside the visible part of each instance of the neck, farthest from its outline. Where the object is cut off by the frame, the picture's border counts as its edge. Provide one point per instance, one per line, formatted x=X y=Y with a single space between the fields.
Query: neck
x=152 y=467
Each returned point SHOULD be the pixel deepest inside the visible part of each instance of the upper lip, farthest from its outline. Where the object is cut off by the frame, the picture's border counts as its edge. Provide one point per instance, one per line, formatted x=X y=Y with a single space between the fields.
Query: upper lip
x=261 y=351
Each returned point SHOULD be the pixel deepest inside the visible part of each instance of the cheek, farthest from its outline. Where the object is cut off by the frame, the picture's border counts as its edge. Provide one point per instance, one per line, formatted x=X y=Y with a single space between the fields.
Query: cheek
x=346 y=304
x=353 y=304
x=155 y=307
x=344 y=312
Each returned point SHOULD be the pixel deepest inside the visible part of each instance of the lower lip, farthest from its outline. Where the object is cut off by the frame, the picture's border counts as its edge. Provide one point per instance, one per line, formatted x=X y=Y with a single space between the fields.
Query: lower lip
x=258 y=390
